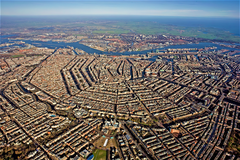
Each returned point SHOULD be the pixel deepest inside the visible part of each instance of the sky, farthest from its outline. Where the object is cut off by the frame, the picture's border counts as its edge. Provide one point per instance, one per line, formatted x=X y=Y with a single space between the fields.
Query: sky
x=186 y=8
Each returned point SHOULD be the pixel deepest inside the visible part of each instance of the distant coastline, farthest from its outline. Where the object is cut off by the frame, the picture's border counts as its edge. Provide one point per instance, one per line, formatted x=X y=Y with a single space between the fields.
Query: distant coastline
x=226 y=24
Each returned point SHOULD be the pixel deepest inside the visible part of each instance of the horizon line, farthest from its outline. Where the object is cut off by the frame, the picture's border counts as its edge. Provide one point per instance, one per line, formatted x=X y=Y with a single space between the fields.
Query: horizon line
x=129 y=15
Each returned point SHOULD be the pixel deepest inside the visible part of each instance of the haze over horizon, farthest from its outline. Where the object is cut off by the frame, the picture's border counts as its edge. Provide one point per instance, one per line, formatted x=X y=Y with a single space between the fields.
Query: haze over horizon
x=203 y=8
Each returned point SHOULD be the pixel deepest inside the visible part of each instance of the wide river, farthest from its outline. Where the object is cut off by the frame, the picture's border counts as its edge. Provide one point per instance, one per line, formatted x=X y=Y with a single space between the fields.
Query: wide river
x=53 y=45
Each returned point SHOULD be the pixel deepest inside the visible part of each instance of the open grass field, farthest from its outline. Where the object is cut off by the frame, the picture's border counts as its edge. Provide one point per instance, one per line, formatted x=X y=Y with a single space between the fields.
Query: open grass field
x=157 y=28
x=112 y=26
x=100 y=154
x=99 y=143
x=17 y=56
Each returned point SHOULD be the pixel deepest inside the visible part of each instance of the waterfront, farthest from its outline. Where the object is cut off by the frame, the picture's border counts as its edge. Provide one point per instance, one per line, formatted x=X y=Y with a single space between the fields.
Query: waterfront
x=53 y=45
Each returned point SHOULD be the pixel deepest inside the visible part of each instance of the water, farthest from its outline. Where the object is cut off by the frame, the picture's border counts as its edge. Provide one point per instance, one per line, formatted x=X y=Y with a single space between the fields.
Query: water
x=40 y=22
x=3 y=38
x=53 y=45
x=227 y=24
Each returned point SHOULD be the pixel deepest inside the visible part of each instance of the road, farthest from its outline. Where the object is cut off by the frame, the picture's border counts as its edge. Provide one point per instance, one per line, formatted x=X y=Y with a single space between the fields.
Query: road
x=33 y=139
